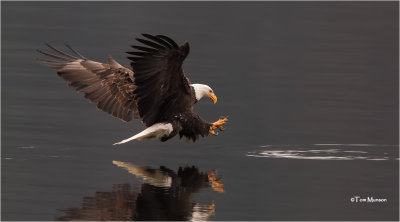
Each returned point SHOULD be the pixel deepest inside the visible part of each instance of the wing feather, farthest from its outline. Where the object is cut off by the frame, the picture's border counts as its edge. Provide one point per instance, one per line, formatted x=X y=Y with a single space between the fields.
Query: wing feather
x=76 y=52
x=170 y=41
x=161 y=87
x=159 y=40
x=150 y=43
x=109 y=85
x=146 y=49
x=64 y=53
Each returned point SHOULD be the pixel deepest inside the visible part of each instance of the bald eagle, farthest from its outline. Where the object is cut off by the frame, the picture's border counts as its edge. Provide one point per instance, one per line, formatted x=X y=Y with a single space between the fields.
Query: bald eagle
x=156 y=90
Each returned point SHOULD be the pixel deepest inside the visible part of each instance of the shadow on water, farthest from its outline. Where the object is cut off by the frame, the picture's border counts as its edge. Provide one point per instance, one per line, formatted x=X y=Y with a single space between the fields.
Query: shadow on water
x=164 y=195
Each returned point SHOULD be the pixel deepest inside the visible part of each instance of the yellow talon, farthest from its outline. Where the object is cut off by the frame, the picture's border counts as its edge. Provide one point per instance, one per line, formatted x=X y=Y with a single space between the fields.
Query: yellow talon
x=211 y=209
x=216 y=183
x=218 y=124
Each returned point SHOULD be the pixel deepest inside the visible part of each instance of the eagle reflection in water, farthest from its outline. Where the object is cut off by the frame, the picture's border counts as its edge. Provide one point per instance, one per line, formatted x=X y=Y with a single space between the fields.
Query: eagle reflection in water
x=164 y=195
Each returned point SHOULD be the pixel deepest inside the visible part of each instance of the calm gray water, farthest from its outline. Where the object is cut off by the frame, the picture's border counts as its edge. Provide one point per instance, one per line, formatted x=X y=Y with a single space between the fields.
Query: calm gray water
x=310 y=88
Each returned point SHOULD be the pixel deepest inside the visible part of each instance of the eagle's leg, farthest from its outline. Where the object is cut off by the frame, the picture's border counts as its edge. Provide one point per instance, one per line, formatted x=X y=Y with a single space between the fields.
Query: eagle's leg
x=218 y=125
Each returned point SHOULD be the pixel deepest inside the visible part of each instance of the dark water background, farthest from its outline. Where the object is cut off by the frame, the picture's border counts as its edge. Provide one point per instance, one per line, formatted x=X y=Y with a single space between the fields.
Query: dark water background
x=311 y=90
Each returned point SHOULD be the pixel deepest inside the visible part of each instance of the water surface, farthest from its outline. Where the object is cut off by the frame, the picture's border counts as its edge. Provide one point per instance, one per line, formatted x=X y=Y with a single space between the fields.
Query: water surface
x=310 y=88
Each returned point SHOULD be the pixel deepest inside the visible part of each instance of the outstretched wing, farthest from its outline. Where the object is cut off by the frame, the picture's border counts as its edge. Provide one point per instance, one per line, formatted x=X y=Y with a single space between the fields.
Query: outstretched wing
x=162 y=89
x=109 y=85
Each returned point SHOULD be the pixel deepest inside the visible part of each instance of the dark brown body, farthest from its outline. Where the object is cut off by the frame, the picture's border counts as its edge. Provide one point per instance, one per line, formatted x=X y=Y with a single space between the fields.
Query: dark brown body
x=154 y=91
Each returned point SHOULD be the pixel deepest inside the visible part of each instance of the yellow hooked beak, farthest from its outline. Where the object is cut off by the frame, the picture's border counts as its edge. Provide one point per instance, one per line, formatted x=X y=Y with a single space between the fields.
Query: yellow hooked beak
x=213 y=97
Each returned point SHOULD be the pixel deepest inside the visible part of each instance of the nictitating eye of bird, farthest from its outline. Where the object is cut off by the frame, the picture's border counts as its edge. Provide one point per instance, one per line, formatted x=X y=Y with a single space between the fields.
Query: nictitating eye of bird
x=156 y=91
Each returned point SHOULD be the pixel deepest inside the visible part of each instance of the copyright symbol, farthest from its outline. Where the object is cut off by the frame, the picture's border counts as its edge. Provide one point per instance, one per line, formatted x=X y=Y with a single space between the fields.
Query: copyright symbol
x=352 y=199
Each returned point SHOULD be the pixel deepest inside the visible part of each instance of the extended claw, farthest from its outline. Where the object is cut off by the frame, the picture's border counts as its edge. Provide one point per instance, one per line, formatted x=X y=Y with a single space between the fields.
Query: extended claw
x=213 y=132
x=217 y=125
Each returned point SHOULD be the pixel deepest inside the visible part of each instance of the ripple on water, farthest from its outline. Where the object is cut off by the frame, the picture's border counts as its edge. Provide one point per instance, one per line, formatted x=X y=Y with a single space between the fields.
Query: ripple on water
x=28 y=147
x=372 y=152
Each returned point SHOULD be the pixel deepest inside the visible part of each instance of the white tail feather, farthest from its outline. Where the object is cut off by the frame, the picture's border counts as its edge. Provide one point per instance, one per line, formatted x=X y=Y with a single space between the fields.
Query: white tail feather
x=153 y=177
x=157 y=130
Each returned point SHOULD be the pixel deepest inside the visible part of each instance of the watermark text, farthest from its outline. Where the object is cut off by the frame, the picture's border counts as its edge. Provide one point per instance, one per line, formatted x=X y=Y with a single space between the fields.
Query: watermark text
x=359 y=199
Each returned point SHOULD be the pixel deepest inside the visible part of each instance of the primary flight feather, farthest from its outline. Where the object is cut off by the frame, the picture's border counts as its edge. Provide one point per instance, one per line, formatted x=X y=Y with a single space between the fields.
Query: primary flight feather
x=155 y=90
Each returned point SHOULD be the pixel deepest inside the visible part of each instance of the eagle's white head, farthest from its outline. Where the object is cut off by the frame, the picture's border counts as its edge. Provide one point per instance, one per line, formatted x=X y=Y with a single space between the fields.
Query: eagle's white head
x=202 y=90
